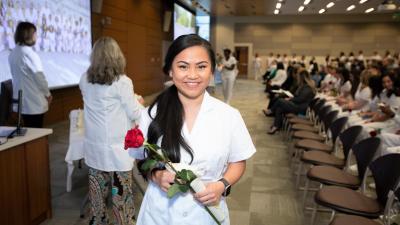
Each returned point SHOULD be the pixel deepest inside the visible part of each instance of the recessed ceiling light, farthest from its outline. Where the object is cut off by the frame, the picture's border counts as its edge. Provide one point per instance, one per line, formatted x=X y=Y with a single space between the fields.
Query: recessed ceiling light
x=301 y=8
x=369 y=10
x=278 y=5
x=350 y=7
x=363 y=1
x=330 y=4
x=276 y=11
x=306 y=2
x=321 y=11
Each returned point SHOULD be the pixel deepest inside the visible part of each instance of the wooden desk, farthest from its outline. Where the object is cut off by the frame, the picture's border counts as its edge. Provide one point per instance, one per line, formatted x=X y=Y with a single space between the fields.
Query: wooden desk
x=25 y=197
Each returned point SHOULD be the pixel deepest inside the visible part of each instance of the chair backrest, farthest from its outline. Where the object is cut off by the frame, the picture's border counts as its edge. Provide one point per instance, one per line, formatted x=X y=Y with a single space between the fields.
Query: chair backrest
x=323 y=111
x=364 y=152
x=319 y=104
x=6 y=94
x=349 y=137
x=337 y=127
x=386 y=173
x=329 y=118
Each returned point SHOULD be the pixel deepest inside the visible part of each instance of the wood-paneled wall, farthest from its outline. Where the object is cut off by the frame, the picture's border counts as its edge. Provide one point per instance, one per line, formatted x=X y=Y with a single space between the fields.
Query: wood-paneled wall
x=137 y=27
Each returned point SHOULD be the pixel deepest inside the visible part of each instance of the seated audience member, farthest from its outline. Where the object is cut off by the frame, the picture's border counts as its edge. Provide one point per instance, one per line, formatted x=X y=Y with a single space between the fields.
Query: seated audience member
x=363 y=95
x=298 y=104
x=290 y=85
x=387 y=97
x=331 y=80
x=345 y=87
x=391 y=136
x=279 y=78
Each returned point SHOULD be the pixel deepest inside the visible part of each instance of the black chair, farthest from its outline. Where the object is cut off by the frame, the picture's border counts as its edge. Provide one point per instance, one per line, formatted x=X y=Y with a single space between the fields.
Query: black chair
x=6 y=100
x=385 y=171
x=364 y=152
x=358 y=220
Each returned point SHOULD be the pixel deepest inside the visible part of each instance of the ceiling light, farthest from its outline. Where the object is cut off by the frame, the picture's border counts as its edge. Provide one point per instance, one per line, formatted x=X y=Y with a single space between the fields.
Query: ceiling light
x=350 y=7
x=278 y=5
x=301 y=8
x=280 y=0
x=330 y=4
x=363 y=1
x=369 y=10
x=306 y=2
x=276 y=11
x=321 y=11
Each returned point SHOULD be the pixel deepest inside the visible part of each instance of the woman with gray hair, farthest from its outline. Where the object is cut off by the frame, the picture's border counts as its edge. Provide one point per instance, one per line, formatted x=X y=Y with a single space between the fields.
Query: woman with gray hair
x=110 y=107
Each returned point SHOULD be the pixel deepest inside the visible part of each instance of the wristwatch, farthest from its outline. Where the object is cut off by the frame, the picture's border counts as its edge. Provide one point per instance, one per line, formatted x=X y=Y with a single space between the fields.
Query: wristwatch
x=227 y=185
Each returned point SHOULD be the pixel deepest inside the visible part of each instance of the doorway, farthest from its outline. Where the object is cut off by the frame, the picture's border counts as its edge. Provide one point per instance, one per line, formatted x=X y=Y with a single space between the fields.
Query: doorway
x=242 y=56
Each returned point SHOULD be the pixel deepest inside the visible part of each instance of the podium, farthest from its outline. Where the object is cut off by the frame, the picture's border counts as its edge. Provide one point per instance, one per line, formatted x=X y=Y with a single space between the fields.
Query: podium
x=25 y=195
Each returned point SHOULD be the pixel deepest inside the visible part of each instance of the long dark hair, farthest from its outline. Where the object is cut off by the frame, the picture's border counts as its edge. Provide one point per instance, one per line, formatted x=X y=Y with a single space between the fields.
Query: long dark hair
x=168 y=121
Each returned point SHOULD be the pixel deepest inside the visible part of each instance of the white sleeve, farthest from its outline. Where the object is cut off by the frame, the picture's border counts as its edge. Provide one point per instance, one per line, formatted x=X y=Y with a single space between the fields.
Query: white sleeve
x=241 y=146
x=128 y=99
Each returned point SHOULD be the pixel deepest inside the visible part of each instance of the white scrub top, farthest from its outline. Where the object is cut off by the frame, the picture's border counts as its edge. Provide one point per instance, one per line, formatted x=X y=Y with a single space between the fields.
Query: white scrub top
x=219 y=137
x=364 y=97
x=27 y=75
x=231 y=61
x=393 y=101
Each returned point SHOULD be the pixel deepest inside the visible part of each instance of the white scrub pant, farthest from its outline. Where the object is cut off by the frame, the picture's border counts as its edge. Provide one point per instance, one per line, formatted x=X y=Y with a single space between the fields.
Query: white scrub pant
x=257 y=73
x=228 y=80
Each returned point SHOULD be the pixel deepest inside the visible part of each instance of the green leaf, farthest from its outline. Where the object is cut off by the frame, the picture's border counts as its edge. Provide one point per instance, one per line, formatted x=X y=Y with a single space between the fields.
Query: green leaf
x=148 y=165
x=184 y=188
x=173 y=190
x=187 y=175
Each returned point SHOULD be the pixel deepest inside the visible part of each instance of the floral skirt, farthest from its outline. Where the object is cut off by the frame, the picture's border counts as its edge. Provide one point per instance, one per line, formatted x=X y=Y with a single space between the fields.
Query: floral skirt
x=120 y=185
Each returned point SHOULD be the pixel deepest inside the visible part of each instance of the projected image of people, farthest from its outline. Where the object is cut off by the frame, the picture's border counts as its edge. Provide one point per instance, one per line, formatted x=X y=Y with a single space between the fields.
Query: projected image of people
x=63 y=36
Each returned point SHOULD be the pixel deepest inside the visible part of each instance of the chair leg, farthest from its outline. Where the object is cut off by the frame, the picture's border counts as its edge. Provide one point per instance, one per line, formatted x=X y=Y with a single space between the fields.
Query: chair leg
x=299 y=173
x=83 y=206
x=332 y=216
x=305 y=192
x=314 y=214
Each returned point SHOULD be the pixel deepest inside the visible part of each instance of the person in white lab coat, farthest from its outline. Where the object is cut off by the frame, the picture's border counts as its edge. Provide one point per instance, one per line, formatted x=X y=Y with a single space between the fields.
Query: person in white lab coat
x=257 y=66
x=194 y=129
x=27 y=75
x=228 y=75
x=110 y=107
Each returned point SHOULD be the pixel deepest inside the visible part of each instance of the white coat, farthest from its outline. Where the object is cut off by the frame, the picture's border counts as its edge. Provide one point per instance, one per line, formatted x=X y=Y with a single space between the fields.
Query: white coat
x=108 y=114
x=219 y=137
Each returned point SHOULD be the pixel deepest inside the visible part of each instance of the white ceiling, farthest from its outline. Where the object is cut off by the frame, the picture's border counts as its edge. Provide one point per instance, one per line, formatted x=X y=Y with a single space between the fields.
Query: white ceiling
x=289 y=7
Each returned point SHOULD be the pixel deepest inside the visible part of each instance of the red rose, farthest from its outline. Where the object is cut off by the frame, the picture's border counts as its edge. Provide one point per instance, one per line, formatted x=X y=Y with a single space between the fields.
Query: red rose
x=330 y=82
x=350 y=110
x=134 y=138
x=373 y=133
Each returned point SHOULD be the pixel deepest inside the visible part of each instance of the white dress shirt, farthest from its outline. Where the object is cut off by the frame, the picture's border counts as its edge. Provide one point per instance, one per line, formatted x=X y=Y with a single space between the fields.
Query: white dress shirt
x=216 y=141
x=27 y=75
x=108 y=114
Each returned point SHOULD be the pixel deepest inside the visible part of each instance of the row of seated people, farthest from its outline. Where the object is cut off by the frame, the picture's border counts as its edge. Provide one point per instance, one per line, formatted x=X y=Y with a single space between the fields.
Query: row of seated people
x=364 y=91
x=345 y=117
x=325 y=156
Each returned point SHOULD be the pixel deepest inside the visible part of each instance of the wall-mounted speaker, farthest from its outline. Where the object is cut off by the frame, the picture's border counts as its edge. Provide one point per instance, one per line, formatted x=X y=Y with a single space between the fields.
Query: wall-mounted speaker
x=167 y=21
x=97 y=5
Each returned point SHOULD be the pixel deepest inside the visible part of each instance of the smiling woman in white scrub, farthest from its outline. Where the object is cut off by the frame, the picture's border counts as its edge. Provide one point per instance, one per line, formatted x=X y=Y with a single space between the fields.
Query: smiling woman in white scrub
x=194 y=129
